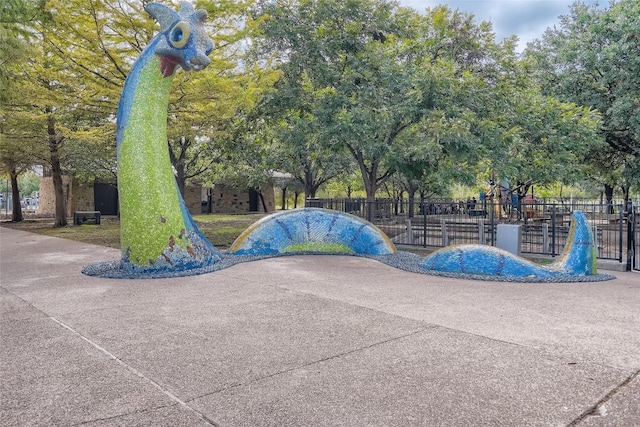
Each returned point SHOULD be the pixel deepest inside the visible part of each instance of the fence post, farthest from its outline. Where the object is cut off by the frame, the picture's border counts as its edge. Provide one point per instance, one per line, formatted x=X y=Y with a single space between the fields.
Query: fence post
x=423 y=210
x=631 y=235
x=409 y=230
x=481 y=237
x=546 y=248
x=553 y=230
x=620 y=228
x=445 y=236
x=493 y=221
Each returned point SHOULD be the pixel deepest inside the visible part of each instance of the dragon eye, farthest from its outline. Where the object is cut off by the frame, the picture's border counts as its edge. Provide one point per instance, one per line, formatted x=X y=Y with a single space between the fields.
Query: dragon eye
x=179 y=35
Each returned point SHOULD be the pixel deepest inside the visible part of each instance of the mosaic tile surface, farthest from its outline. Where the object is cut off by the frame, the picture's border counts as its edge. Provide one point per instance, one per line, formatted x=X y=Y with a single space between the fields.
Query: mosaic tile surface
x=311 y=230
x=577 y=259
x=157 y=231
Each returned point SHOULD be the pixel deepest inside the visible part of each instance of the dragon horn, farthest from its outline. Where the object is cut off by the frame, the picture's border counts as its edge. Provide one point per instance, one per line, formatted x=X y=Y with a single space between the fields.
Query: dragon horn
x=163 y=14
x=187 y=10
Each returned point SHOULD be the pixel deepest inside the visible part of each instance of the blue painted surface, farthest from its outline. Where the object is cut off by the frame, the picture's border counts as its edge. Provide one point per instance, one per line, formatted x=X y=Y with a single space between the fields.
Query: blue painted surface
x=342 y=232
x=577 y=259
x=274 y=235
x=482 y=259
x=579 y=255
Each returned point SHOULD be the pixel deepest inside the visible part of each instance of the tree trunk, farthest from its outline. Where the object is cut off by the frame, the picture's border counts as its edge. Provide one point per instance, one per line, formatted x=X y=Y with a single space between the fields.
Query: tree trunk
x=16 y=215
x=309 y=188
x=264 y=205
x=56 y=171
x=625 y=191
x=370 y=186
x=608 y=192
x=411 y=196
x=180 y=179
x=179 y=162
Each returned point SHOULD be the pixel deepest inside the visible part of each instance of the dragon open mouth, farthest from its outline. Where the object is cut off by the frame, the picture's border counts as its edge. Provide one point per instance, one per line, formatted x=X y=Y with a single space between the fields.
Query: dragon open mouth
x=168 y=65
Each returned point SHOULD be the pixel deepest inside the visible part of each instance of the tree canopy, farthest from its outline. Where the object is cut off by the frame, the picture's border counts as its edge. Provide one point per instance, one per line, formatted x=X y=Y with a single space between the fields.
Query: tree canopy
x=406 y=93
x=590 y=59
x=320 y=89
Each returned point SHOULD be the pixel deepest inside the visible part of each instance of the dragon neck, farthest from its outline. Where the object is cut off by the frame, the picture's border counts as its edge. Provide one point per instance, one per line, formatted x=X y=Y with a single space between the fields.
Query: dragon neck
x=156 y=228
x=145 y=92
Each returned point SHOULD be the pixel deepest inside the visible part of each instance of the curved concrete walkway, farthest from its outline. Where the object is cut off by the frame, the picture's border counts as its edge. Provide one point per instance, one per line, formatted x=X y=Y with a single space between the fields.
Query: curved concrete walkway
x=307 y=341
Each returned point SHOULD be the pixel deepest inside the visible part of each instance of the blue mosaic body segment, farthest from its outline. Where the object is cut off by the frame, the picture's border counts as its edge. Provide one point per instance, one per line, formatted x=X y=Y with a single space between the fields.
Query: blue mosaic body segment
x=578 y=258
x=315 y=230
x=483 y=260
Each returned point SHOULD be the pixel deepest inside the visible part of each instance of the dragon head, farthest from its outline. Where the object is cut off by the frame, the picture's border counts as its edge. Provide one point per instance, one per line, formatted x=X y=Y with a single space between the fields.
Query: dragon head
x=183 y=40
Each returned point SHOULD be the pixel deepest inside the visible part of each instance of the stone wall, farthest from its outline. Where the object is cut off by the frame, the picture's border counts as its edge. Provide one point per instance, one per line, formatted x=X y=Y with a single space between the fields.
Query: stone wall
x=77 y=197
x=83 y=198
x=269 y=198
x=226 y=199
x=193 y=198
x=47 y=201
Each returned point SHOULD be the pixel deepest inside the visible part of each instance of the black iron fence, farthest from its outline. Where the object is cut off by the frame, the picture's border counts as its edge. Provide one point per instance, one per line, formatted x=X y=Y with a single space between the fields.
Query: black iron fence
x=633 y=245
x=544 y=225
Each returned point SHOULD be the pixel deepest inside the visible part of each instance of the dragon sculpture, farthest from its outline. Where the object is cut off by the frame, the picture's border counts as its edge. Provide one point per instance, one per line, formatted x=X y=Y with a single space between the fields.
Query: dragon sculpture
x=159 y=237
x=157 y=231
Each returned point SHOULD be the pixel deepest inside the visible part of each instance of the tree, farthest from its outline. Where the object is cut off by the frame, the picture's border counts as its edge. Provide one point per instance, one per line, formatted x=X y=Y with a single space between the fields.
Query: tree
x=206 y=108
x=67 y=90
x=15 y=138
x=302 y=154
x=590 y=59
x=20 y=142
x=328 y=83
x=14 y=15
x=542 y=140
x=384 y=83
x=15 y=158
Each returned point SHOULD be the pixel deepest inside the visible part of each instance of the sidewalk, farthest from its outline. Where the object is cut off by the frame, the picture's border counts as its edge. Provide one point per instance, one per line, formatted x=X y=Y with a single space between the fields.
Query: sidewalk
x=307 y=341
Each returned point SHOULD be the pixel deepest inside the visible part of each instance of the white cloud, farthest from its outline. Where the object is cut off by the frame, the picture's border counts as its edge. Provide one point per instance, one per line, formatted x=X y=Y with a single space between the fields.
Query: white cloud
x=527 y=19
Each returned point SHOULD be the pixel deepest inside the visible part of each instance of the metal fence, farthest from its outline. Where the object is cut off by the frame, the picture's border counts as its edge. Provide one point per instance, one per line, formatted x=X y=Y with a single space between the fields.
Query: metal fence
x=544 y=225
x=633 y=224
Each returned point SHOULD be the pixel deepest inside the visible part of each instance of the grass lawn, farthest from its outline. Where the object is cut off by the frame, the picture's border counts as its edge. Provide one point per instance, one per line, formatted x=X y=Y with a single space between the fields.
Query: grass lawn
x=220 y=229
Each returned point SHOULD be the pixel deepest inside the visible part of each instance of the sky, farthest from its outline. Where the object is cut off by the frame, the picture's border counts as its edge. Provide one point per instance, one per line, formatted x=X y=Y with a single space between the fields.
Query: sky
x=527 y=19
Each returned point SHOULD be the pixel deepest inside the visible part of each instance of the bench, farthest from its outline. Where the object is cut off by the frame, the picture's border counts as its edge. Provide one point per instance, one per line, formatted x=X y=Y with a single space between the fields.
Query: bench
x=86 y=217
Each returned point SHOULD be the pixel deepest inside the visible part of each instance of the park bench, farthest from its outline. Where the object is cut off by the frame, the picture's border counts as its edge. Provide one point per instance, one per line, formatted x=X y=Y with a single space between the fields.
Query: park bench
x=86 y=217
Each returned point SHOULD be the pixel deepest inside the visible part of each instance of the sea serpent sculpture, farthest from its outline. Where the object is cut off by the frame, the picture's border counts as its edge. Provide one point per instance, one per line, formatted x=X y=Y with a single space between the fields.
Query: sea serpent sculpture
x=158 y=233
x=159 y=237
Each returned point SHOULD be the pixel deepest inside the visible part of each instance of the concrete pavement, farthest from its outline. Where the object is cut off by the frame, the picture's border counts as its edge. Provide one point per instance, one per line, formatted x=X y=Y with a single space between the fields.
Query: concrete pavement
x=307 y=341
